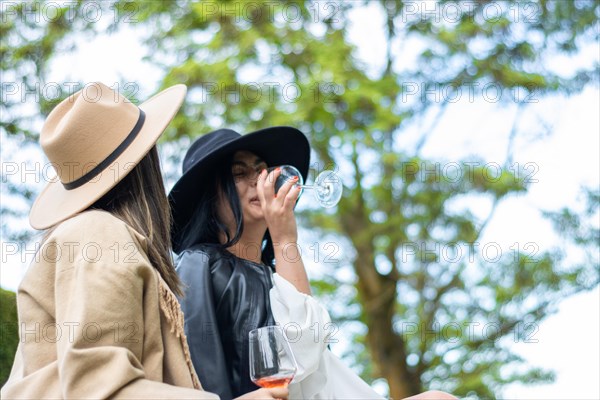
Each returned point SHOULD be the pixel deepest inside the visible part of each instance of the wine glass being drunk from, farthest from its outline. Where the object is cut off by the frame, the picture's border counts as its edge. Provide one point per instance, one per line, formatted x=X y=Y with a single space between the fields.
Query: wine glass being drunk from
x=327 y=188
x=272 y=363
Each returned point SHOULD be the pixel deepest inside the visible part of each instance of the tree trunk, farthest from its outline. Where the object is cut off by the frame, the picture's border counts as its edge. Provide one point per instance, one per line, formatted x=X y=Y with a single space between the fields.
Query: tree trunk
x=377 y=295
x=386 y=347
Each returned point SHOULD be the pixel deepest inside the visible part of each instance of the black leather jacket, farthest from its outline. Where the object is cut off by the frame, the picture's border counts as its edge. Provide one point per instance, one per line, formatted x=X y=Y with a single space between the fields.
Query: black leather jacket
x=225 y=298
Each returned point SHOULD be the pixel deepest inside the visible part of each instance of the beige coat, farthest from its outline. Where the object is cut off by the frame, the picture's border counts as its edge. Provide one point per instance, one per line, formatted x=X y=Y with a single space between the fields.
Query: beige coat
x=97 y=321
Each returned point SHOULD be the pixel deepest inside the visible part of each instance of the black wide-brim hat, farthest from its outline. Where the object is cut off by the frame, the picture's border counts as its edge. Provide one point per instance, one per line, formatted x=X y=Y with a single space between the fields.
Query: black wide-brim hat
x=276 y=146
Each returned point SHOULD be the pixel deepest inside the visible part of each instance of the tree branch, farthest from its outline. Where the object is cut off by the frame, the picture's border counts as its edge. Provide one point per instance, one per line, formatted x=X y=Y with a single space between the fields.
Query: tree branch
x=434 y=125
x=512 y=135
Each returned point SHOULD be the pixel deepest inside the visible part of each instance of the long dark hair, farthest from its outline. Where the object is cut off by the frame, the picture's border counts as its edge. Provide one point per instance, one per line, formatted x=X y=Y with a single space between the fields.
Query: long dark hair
x=205 y=225
x=139 y=199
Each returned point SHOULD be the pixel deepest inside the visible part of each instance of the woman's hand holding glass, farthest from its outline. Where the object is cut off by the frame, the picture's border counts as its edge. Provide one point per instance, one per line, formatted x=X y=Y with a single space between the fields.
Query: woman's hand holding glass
x=278 y=210
x=278 y=207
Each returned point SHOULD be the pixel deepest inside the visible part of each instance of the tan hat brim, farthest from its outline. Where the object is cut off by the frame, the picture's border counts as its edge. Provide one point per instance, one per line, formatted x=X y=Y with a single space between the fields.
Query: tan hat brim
x=55 y=203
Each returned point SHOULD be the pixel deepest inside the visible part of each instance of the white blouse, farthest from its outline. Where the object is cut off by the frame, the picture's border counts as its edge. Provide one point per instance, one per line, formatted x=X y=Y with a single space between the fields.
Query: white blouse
x=320 y=375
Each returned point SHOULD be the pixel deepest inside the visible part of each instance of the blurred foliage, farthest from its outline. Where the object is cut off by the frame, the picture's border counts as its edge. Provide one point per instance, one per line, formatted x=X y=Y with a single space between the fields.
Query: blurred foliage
x=9 y=332
x=254 y=64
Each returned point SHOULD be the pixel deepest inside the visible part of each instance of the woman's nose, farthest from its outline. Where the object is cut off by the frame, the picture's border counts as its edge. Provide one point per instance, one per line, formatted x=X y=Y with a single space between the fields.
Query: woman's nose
x=254 y=177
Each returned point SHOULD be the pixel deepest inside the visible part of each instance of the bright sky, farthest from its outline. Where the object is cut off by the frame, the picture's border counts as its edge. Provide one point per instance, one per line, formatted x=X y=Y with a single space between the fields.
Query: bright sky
x=565 y=160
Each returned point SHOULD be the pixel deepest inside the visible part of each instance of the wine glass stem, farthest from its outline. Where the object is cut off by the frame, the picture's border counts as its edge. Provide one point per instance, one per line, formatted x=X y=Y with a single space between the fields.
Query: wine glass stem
x=306 y=186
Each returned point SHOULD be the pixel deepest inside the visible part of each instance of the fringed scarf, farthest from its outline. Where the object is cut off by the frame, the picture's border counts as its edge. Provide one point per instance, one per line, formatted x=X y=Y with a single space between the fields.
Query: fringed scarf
x=170 y=307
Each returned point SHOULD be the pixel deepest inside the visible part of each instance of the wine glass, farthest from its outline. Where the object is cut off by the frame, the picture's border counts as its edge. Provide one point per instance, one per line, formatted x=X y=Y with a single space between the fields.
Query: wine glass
x=328 y=186
x=272 y=363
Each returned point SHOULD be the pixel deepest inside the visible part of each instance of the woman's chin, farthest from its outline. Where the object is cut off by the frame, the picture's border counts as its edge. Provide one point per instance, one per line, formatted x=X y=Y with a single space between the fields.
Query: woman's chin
x=253 y=215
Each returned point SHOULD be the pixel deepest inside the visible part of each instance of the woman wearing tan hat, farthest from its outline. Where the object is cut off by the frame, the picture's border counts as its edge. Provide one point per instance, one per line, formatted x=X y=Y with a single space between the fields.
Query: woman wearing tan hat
x=98 y=315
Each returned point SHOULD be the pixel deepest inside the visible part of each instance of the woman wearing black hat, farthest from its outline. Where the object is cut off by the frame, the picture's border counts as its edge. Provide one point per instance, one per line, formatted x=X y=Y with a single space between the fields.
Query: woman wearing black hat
x=240 y=262
x=230 y=229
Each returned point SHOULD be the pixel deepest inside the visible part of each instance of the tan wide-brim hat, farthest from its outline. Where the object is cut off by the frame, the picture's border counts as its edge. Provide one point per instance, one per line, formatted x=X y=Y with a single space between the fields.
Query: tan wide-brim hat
x=93 y=139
